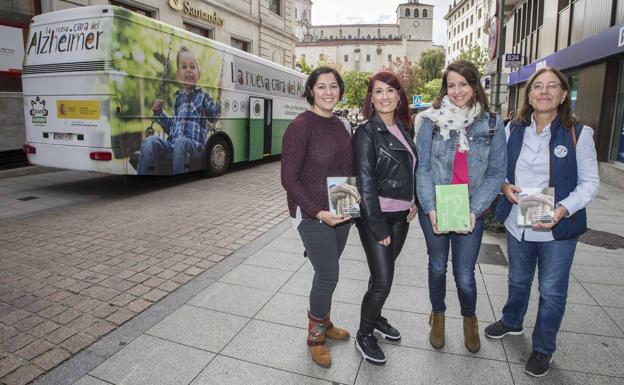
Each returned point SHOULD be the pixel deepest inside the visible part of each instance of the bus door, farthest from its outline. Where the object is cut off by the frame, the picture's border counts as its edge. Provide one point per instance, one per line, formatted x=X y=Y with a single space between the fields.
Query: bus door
x=260 y=127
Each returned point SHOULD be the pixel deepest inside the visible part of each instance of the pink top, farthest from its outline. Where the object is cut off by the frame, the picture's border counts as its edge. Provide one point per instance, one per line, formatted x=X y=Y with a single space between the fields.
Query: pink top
x=460 y=168
x=393 y=205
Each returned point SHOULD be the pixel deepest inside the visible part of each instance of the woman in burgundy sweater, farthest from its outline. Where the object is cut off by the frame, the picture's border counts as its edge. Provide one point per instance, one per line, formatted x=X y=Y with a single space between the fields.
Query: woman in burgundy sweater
x=317 y=145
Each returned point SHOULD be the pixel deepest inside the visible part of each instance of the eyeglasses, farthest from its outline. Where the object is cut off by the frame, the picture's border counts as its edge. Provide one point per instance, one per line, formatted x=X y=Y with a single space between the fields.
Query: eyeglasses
x=550 y=86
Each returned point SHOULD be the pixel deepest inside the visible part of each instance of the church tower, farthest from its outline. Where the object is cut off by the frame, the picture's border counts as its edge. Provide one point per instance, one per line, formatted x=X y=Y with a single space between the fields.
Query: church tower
x=303 y=17
x=415 y=20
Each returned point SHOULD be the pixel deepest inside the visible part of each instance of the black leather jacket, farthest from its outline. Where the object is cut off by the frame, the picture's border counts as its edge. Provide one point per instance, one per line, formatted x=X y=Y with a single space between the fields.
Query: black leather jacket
x=383 y=167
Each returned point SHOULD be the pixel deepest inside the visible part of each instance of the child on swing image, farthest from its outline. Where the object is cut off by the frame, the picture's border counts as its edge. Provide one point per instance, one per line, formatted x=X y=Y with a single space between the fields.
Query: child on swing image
x=187 y=128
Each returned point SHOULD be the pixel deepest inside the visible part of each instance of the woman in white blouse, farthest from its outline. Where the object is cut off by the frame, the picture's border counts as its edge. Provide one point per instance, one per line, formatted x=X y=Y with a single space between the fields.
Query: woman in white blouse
x=546 y=147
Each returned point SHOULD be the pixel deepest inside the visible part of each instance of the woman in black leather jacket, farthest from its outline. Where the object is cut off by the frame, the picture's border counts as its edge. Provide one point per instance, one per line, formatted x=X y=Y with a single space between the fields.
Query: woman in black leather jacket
x=384 y=158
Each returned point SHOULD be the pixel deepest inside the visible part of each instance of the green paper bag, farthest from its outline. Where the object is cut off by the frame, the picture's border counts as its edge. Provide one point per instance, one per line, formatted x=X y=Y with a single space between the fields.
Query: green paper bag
x=453 y=207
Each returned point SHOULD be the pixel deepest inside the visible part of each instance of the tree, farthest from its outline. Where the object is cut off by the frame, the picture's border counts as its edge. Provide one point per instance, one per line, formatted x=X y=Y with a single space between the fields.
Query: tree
x=430 y=90
x=303 y=66
x=431 y=64
x=476 y=56
x=356 y=84
x=325 y=61
x=407 y=72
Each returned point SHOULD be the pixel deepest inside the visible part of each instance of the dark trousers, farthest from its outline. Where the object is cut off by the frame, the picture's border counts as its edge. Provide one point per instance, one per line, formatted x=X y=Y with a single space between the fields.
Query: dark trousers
x=381 y=261
x=323 y=245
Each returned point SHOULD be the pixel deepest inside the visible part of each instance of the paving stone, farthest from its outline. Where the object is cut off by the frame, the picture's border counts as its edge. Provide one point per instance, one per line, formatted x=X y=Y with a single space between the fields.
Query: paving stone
x=23 y=375
x=100 y=328
x=60 y=335
x=120 y=316
x=51 y=358
x=88 y=380
x=561 y=377
x=234 y=299
x=167 y=363
x=16 y=343
x=77 y=342
x=9 y=364
x=28 y=323
x=154 y=295
x=34 y=349
x=258 y=277
x=43 y=329
x=229 y=371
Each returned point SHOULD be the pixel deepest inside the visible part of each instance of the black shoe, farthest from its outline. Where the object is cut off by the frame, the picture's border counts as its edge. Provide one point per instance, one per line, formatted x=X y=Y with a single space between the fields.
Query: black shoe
x=500 y=330
x=386 y=330
x=538 y=364
x=367 y=345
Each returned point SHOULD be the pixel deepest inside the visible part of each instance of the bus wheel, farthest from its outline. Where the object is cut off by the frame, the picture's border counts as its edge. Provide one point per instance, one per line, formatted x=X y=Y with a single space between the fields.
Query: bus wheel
x=218 y=156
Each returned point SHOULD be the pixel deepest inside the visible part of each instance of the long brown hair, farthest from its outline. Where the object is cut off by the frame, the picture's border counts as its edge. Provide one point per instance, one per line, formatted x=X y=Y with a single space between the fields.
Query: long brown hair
x=402 y=111
x=564 y=110
x=471 y=74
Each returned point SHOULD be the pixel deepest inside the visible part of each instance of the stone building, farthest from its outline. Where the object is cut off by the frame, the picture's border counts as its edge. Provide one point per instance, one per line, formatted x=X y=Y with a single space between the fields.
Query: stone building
x=365 y=47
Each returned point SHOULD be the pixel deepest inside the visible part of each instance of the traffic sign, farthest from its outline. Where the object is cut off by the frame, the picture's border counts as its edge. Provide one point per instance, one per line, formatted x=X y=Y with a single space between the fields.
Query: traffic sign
x=416 y=99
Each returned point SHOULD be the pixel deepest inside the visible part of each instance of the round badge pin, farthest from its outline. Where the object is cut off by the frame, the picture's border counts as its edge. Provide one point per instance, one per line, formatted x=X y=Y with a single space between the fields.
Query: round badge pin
x=561 y=151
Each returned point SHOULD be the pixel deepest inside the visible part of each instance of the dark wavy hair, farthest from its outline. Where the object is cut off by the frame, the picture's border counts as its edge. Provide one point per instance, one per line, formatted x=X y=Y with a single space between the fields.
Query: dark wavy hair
x=402 y=111
x=471 y=73
x=564 y=110
x=308 y=94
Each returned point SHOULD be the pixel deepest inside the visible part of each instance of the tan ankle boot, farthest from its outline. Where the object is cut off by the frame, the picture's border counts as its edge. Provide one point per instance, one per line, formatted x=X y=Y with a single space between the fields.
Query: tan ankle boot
x=316 y=341
x=436 y=336
x=335 y=333
x=471 y=334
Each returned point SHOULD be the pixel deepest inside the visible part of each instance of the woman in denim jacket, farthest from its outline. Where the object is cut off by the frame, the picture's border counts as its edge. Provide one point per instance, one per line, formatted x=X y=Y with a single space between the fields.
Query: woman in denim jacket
x=457 y=142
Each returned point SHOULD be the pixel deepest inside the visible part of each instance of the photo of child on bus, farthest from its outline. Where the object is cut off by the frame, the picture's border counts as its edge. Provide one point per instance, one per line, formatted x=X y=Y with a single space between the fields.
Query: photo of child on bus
x=186 y=129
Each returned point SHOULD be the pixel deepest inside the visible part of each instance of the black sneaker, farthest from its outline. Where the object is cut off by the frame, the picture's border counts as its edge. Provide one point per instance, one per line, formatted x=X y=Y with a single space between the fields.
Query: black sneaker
x=500 y=330
x=538 y=364
x=386 y=330
x=367 y=345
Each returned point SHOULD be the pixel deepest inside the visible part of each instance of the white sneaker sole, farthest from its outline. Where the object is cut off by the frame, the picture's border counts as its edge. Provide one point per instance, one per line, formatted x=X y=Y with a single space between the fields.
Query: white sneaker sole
x=368 y=358
x=519 y=333
x=387 y=336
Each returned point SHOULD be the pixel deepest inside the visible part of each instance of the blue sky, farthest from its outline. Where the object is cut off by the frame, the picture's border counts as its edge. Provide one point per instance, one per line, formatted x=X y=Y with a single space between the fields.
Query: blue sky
x=374 y=11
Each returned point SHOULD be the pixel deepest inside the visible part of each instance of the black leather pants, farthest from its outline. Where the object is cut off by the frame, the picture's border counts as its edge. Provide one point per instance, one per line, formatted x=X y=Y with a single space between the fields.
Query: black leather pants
x=381 y=265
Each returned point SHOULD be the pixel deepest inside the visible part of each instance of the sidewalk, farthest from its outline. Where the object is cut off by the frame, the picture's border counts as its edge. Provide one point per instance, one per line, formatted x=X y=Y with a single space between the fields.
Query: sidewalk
x=244 y=322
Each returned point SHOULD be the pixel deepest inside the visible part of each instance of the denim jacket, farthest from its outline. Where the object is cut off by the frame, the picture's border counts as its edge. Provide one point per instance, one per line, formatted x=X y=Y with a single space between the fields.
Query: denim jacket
x=487 y=162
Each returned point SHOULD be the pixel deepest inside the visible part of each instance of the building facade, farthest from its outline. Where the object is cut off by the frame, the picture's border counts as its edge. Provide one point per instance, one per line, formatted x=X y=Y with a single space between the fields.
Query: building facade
x=262 y=27
x=365 y=47
x=585 y=40
x=466 y=20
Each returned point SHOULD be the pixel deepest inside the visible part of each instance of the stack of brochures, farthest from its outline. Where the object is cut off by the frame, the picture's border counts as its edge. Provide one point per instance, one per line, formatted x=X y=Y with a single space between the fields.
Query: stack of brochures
x=537 y=205
x=452 y=207
x=343 y=196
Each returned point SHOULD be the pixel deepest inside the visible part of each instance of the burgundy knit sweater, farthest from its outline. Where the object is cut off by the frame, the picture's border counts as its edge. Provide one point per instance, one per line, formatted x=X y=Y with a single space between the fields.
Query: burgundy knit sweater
x=314 y=148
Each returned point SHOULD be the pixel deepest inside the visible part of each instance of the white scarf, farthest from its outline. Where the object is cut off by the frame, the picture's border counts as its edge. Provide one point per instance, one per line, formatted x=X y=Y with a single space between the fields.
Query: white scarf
x=449 y=118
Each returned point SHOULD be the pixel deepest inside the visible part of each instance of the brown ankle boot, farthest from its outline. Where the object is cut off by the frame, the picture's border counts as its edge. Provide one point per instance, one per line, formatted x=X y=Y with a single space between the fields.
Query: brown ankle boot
x=471 y=334
x=436 y=336
x=316 y=341
x=333 y=332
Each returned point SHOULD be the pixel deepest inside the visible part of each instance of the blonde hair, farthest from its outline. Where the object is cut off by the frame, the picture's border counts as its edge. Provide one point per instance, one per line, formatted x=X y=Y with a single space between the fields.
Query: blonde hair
x=186 y=49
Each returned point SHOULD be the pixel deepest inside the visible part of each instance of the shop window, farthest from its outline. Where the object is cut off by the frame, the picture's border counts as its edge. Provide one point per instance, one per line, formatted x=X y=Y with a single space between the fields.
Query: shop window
x=275 y=6
x=240 y=44
x=201 y=31
x=134 y=8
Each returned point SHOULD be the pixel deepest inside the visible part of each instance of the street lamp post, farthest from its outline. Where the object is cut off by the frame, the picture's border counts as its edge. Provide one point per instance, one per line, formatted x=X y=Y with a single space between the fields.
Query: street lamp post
x=500 y=52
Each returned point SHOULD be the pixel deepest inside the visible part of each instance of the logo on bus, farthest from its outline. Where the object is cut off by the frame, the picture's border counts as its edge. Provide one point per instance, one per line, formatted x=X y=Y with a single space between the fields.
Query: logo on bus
x=38 y=111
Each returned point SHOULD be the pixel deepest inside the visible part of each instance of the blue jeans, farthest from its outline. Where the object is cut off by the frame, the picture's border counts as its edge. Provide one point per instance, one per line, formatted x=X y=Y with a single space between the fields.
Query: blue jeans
x=554 y=261
x=154 y=147
x=465 y=249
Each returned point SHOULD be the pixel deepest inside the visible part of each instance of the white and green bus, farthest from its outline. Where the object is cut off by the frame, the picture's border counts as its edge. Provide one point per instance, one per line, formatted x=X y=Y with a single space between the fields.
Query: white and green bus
x=92 y=76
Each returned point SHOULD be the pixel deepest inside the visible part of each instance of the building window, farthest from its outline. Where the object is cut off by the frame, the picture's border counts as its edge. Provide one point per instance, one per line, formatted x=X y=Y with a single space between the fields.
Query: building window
x=143 y=11
x=479 y=13
x=275 y=7
x=321 y=56
x=240 y=44
x=407 y=12
x=478 y=32
x=424 y=13
x=389 y=57
x=350 y=37
x=367 y=57
x=563 y=4
x=415 y=12
x=201 y=31
x=471 y=19
x=346 y=58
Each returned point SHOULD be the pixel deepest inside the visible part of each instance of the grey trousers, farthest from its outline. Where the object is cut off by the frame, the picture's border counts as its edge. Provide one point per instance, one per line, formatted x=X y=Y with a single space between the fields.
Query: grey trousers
x=324 y=245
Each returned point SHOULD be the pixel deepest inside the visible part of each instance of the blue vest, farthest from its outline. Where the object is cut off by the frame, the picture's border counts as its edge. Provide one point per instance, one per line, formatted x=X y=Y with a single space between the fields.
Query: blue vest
x=563 y=175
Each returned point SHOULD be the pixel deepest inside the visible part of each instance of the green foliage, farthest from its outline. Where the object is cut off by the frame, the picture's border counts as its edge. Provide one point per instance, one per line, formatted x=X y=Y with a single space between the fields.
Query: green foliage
x=430 y=90
x=407 y=72
x=476 y=56
x=356 y=84
x=431 y=64
x=303 y=66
